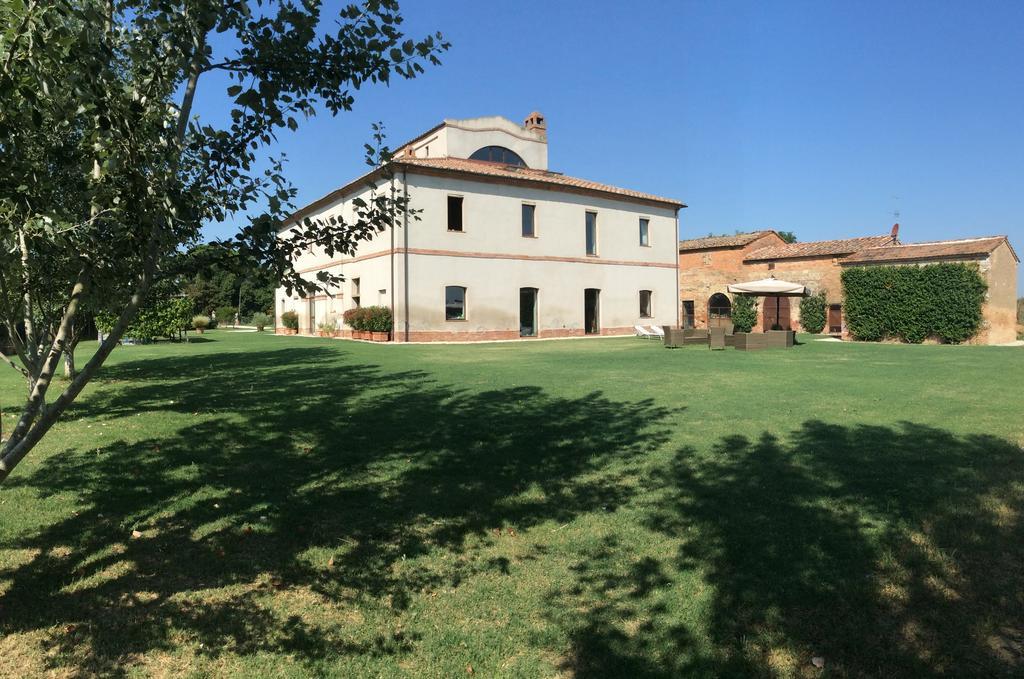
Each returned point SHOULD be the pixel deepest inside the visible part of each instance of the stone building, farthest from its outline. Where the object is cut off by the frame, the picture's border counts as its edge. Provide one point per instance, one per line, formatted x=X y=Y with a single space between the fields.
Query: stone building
x=503 y=248
x=708 y=265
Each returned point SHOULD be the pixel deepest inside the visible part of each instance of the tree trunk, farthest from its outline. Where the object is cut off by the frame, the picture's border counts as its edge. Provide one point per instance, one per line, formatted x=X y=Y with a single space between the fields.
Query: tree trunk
x=69 y=360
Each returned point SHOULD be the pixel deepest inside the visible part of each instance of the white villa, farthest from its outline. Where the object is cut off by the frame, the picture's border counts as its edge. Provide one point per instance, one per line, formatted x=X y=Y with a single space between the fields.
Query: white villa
x=504 y=247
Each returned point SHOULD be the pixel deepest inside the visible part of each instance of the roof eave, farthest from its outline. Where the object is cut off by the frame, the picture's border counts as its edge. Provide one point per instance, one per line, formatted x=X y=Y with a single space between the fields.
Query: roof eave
x=551 y=186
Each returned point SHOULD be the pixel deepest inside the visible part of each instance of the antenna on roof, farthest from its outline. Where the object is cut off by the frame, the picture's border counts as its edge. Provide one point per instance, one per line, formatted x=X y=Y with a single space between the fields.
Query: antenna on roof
x=896 y=208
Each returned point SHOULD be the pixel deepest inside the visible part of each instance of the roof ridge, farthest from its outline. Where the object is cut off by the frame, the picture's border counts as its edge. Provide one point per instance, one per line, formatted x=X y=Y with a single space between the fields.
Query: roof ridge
x=951 y=241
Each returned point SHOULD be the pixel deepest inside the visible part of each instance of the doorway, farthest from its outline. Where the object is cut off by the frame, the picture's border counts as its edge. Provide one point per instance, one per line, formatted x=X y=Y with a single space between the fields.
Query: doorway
x=719 y=311
x=775 y=314
x=527 y=312
x=591 y=311
x=689 y=319
x=835 y=319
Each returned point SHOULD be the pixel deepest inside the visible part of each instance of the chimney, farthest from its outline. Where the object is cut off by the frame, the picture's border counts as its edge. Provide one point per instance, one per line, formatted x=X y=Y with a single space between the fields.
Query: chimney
x=535 y=122
x=894 y=234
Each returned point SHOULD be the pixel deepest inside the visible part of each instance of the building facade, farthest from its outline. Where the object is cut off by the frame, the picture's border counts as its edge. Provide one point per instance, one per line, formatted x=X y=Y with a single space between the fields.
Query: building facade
x=503 y=248
x=708 y=265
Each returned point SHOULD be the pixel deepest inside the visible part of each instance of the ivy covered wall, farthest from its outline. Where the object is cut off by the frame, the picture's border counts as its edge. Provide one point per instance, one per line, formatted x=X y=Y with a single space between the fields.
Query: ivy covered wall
x=914 y=303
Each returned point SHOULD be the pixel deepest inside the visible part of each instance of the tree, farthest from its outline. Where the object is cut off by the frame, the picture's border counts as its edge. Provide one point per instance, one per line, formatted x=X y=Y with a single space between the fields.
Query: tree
x=813 y=312
x=107 y=174
x=218 y=277
x=787 y=236
x=744 y=313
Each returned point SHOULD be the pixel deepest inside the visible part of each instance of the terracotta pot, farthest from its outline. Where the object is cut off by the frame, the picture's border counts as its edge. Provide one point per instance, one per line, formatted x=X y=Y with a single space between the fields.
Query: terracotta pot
x=380 y=336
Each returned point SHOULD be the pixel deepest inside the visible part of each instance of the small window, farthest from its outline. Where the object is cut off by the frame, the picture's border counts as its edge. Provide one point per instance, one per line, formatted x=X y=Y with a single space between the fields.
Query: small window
x=529 y=230
x=355 y=293
x=645 y=304
x=454 y=303
x=591 y=233
x=771 y=266
x=455 y=213
x=645 y=238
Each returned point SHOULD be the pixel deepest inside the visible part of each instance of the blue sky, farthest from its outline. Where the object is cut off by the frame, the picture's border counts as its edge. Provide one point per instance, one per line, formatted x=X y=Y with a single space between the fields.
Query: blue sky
x=820 y=118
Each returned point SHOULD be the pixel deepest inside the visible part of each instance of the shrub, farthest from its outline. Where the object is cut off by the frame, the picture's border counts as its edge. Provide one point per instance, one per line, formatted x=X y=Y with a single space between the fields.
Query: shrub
x=353 y=318
x=914 y=303
x=200 y=322
x=744 y=313
x=378 y=319
x=813 y=313
x=290 y=320
x=158 y=318
x=329 y=324
x=369 y=319
x=260 y=320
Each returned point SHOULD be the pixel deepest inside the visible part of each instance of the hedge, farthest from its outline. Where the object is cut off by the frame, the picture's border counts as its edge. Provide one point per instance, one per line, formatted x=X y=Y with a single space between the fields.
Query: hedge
x=744 y=313
x=813 y=312
x=369 y=319
x=913 y=303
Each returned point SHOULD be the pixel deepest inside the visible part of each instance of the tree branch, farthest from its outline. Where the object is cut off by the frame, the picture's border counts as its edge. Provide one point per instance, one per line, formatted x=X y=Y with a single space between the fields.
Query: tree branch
x=41 y=383
x=15 y=451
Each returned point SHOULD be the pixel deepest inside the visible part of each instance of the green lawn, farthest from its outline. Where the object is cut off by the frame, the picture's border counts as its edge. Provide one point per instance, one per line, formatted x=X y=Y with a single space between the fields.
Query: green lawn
x=577 y=508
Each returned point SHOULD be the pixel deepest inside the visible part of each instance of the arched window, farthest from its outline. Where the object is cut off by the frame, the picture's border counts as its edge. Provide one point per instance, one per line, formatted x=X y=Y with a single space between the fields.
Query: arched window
x=498 y=154
x=719 y=310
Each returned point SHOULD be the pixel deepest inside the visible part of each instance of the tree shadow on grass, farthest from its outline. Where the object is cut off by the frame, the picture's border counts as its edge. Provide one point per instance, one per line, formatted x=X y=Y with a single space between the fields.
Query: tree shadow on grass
x=887 y=551
x=307 y=455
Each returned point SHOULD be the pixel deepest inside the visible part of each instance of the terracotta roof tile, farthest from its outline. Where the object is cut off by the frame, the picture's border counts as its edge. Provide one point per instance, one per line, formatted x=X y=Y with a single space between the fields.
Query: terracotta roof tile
x=710 y=242
x=818 y=248
x=944 y=249
x=477 y=167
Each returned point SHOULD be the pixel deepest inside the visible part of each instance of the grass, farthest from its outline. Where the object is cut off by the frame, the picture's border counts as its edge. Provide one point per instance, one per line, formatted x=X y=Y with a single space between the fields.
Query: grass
x=252 y=505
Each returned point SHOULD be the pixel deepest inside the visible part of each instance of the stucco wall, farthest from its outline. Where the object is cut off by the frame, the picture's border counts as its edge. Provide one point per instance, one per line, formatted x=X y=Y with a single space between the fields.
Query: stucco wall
x=493 y=261
x=1000 y=312
x=460 y=138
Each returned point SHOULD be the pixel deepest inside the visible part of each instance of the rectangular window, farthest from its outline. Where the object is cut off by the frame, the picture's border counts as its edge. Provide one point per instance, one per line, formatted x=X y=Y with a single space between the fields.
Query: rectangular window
x=454 y=303
x=591 y=233
x=455 y=213
x=645 y=304
x=355 y=293
x=645 y=237
x=771 y=266
x=529 y=230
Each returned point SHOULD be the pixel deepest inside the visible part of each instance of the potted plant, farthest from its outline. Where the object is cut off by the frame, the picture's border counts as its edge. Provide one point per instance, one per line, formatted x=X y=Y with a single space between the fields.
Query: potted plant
x=356 y=319
x=379 y=323
x=328 y=326
x=290 y=322
x=200 y=323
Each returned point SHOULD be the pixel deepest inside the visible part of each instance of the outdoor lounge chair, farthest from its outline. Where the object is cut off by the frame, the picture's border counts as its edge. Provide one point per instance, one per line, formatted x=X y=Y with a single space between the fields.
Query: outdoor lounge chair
x=717 y=340
x=658 y=332
x=641 y=331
